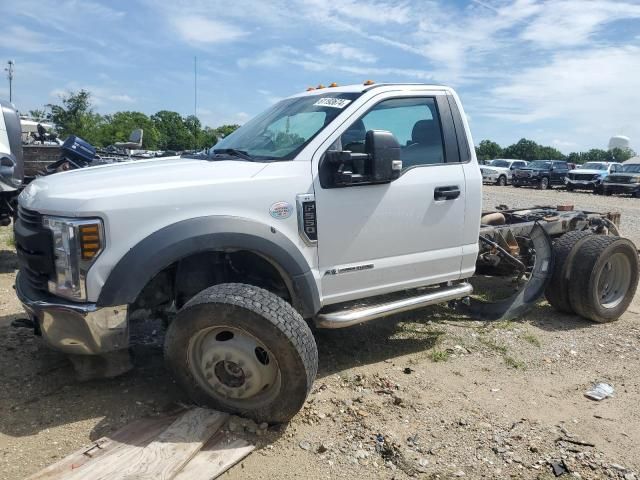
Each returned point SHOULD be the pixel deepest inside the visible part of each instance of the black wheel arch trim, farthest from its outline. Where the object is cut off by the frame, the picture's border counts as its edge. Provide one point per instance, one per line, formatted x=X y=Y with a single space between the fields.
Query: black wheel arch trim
x=212 y=233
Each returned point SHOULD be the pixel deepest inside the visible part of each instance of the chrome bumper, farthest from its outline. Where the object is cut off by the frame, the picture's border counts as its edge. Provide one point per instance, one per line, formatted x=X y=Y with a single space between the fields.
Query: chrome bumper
x=75 y=328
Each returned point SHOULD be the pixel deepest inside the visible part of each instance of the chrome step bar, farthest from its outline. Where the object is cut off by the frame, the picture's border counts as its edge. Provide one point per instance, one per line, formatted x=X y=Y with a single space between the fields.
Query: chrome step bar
x=346 y=318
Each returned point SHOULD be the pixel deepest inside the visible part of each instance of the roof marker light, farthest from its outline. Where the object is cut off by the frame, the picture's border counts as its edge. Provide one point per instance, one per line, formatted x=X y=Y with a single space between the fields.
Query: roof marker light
x=320 y=86
x=310 y=88
x=369 y=82
x=334 y=84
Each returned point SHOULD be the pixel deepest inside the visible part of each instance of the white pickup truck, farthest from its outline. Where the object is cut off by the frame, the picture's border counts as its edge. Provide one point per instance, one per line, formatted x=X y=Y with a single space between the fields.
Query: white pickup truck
x=499 y=171
x=335 y=206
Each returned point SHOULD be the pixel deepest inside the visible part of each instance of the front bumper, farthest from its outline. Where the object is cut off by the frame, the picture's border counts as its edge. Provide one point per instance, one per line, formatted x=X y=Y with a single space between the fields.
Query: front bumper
x=628 y=188
x=525 y=180
x=75 y=328
x=583 y=184
x=490 y=177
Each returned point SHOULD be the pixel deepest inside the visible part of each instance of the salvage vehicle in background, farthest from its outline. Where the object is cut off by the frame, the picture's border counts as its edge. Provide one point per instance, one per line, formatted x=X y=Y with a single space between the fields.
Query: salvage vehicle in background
x=499 y=171
x=542 y=174
x=626 y=180
x=11 y=161
x=590 y=176
x=335 y=206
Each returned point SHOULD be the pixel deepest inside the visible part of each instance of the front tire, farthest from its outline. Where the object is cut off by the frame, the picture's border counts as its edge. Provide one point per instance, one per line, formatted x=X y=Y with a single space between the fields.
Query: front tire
x=243 y=350
x=544 y=183
x=502 y=181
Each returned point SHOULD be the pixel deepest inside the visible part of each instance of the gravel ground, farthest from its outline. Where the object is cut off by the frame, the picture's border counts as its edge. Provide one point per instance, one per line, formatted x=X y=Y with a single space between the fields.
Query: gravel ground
x=425 y=394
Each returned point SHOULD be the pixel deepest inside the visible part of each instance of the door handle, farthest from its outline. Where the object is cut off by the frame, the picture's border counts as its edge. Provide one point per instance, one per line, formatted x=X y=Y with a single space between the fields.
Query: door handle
x=450 y=192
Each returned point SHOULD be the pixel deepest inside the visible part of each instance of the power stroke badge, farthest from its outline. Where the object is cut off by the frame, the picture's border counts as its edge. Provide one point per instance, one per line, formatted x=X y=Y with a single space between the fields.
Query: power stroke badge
x=281 y=210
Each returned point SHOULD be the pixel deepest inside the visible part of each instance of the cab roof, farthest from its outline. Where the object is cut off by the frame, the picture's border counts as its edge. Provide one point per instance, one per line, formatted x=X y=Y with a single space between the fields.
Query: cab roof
x=361 y=88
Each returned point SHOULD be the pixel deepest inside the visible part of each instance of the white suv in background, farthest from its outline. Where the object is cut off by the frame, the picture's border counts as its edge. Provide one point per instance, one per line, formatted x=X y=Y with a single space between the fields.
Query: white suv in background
x=499 y=170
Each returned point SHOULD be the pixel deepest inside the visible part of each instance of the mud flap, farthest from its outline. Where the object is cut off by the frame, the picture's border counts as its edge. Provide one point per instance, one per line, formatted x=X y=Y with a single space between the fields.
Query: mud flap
x=524 y=299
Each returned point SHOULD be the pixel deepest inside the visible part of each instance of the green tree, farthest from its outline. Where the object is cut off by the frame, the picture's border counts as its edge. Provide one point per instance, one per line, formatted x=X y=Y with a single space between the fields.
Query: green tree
x=40 y=114
x=174 y=133
x=523 y=150
x=224 y=130
x=488 y=150
x=76 y=116
x=621 y=154
x=118 y=128
x=549 y=153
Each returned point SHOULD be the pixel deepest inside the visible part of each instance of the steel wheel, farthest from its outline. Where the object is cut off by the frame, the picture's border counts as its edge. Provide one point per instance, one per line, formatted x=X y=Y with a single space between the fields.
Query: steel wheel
x=233 y=365
x=544 y=183
x=613 y=280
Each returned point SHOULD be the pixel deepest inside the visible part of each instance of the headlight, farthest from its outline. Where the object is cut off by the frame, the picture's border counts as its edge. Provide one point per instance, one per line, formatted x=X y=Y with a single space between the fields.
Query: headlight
x=607 y=178
x=76 y=245
x=595 y=177
x=488 y=171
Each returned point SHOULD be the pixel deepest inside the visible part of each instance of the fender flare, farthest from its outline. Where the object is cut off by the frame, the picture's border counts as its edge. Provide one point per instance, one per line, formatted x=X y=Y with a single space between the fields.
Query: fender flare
x=196 y=235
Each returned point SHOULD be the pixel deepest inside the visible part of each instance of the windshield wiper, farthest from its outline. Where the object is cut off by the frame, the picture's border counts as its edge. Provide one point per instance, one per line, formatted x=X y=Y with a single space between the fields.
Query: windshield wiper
x=234 y=152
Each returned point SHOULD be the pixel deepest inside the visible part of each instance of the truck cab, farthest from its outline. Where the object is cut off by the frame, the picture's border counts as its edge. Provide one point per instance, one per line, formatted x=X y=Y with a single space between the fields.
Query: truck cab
x=336 y=205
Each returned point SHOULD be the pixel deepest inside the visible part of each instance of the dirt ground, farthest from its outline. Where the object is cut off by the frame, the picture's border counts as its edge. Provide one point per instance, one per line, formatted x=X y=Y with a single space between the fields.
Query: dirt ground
x=424 y=394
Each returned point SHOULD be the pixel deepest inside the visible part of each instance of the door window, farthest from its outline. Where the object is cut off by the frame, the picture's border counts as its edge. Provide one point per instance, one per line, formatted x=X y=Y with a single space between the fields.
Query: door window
x=413 y=121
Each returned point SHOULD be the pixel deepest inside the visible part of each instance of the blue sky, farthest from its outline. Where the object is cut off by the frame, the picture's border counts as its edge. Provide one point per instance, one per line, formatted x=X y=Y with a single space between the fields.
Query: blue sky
x=562 y=72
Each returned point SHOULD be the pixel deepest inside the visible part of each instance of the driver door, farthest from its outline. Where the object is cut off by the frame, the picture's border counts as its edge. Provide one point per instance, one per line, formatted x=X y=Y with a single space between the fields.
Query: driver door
x=375 y=239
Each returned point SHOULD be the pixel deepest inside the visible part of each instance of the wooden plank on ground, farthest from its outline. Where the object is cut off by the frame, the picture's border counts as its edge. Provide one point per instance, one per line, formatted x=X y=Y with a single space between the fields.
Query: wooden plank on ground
x=139 y=432
x=163 y=457
x=216 y=457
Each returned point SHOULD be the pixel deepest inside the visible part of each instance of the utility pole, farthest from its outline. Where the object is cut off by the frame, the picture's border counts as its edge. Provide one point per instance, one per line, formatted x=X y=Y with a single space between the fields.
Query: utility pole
x=9 y=71
x=195 y=102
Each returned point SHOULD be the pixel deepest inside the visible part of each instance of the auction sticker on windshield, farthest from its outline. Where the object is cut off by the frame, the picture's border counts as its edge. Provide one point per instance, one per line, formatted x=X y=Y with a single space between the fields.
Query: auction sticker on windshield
x=332 y=102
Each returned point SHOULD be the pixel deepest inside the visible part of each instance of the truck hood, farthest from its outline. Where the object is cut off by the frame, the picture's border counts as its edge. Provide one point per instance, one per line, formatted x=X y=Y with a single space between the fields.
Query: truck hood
x=589 y=171
x=68 y=192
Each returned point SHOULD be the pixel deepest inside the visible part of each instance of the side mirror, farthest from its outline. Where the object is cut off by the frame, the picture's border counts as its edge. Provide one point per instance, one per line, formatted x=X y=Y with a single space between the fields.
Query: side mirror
x=380 y=163
x=384 y=155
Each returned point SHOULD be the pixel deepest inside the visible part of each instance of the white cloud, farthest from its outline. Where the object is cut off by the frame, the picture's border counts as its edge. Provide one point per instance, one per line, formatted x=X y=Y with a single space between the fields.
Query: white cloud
x=199 y=30
x=377 y=12
x=346 y=52
x=572 y=22
x=21 y=39
x=592 y=94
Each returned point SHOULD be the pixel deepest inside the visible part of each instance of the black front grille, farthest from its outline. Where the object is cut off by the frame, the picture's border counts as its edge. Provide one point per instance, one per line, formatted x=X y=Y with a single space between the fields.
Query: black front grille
x=29 y=217
x=34 y=248
x=581 y=176
x=619 y=179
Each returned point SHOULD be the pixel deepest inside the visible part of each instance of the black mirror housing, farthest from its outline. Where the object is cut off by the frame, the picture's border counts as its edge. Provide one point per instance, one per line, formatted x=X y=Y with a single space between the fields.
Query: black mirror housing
x=384 y=152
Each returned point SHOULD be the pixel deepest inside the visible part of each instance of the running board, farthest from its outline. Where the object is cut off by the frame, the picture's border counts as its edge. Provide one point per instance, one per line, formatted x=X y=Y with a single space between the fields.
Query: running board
x=346 y=318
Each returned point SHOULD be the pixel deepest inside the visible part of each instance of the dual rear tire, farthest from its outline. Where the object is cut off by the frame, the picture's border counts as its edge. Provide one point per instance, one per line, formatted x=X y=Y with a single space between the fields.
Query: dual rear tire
x=594 y=276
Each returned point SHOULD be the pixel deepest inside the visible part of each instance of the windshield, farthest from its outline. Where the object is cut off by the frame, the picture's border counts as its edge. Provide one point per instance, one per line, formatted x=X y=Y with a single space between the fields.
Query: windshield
x=499 y=163
x=633 y=168
x=594 y=166
x=282 y=131
x=542 y=164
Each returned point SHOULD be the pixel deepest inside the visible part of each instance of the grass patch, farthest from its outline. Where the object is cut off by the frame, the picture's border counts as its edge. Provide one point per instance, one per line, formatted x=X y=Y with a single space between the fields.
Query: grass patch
x=531 y=338
x=439 y=355
x=514 y=363
x=505 y=325
x=493 y=345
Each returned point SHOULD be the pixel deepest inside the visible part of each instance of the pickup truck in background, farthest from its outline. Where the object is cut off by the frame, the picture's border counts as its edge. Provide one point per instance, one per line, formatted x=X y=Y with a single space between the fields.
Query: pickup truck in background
x=542 y=174
x=625 y=180
x=336 y=206
x=499 y=171
x=590 y=176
